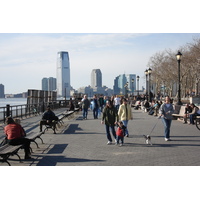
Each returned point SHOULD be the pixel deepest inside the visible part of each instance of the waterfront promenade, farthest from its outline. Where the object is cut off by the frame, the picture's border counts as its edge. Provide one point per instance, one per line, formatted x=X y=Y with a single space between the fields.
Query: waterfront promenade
x=83 y=143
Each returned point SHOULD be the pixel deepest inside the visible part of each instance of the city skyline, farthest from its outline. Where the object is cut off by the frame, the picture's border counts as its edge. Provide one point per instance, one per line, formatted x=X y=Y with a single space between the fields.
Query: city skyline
x=112 y=53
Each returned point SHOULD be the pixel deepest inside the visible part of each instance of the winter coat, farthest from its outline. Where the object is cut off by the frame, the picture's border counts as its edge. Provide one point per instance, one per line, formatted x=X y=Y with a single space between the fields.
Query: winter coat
x=123 y=115
x=110 y=116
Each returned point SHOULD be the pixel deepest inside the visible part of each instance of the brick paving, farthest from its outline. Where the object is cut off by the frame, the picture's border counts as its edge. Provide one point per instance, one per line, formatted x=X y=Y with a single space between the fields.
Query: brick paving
x=84 y=143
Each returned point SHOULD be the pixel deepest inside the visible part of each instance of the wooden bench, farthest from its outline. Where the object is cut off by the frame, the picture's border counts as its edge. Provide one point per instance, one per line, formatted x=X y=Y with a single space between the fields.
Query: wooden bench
x=180 y=113
x=33 y=136
x=60 y=121
x=9 y=150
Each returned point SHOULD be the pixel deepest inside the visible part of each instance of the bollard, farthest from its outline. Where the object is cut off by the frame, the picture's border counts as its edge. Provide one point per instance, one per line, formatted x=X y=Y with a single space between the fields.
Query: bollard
x=7 y=110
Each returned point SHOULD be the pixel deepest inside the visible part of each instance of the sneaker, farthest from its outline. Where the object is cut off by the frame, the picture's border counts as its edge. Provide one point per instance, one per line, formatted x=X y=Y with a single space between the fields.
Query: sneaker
x=127 y=135
x=115 y=141
x=166 y=139
x=109 y=142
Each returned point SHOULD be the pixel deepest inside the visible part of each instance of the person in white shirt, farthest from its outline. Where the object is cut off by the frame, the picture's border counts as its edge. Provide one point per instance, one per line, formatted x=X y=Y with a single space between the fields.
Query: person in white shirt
x=117 y=102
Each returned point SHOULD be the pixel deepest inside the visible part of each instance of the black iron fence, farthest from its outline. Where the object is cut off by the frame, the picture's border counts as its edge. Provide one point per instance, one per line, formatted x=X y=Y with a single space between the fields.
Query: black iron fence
x=27 y=110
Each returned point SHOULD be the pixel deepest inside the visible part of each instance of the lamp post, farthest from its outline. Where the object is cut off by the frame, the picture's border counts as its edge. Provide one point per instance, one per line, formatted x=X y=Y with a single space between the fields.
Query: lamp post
x=132 y=81
x=146 y=73
x=149 y=72
x=178 y=57
x=138 y=78
x=126 y=89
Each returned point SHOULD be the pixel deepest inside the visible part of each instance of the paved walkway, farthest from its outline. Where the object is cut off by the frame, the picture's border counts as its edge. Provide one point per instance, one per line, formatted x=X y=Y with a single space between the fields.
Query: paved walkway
x=84 y=143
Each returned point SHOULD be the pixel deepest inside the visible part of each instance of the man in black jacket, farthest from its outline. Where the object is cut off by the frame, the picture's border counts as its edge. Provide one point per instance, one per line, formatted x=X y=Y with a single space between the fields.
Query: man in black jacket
x=49 y=118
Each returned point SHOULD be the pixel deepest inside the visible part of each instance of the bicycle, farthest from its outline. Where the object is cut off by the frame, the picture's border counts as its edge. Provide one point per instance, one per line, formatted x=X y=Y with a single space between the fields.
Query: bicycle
x=197 y=123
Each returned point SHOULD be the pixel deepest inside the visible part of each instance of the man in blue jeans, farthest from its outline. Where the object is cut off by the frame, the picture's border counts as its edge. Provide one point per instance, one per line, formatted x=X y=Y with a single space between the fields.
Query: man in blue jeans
x=85 y=106
x=110 y=118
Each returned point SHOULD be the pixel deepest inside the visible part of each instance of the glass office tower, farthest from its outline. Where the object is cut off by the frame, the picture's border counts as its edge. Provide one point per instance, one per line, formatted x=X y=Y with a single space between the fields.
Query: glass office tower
x=63 y=74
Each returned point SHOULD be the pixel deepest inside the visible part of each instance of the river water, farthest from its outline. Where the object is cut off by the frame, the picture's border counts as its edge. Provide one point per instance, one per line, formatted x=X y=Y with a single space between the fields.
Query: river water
x=12 y=101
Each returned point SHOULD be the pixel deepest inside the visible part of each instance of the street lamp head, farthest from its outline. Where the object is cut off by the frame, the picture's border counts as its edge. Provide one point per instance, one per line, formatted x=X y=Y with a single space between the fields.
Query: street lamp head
x=178 y=56
x=146 y=72
x=138 y=78
x=132 y=80
x=149 y=70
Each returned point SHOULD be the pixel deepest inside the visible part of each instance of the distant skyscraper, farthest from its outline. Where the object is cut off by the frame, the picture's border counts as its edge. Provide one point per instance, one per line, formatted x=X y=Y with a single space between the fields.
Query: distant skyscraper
x=45 y=84
x=2 y=94
x=63 y=74
x=96 y=78
x=49 y=84
x=120 y=82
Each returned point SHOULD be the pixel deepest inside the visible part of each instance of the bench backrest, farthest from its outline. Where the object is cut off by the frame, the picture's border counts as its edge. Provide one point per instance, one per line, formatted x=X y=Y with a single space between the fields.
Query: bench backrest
x=182 y=110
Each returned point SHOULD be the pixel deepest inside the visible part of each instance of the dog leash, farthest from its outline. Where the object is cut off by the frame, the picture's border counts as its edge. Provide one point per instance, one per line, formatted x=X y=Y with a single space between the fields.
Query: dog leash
x=154 y=126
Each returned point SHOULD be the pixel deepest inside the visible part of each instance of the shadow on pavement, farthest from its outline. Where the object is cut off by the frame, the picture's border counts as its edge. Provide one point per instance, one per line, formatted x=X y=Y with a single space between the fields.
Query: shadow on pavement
x=53 y=160
x=72 y=128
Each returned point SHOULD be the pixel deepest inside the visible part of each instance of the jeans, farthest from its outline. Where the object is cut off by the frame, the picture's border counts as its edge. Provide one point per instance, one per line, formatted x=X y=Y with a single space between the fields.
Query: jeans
x=108 y=132
x=117 y=107
x=125 y=122
x=193 y=117
x=95 y=112
x=85 y=113
x=167 y=125
x=120 y=138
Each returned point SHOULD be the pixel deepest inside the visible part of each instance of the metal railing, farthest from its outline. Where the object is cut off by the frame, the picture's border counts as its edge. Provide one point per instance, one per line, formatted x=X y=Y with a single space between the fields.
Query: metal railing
x=27 y=110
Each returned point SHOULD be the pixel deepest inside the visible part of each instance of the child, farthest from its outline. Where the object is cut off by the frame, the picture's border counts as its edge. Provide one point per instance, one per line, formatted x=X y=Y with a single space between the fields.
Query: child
x=120 y=133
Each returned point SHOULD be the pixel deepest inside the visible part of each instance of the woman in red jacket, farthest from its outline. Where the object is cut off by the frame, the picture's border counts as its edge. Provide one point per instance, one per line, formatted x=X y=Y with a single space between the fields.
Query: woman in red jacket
x=15 y=136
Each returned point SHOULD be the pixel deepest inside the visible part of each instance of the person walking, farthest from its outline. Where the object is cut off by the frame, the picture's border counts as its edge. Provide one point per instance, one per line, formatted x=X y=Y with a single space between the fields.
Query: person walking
x=166 y=111
x=85 y=106
x=101 y=103
x=117 y=102
x=125 y=114
x=120 y=133
x=109 y=118
x=95 y=107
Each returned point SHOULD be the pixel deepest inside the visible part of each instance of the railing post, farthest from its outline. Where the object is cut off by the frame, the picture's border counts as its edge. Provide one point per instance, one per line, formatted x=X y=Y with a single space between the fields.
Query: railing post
x=7 y=110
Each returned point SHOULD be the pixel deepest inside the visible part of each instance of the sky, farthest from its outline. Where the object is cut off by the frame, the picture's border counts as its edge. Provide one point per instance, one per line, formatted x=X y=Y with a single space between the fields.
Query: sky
x=26 y=58
x=114 y=36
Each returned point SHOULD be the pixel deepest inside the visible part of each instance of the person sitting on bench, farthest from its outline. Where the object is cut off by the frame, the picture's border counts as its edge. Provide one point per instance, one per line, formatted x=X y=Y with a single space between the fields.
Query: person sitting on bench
x=49 y=118
x=15 y=136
